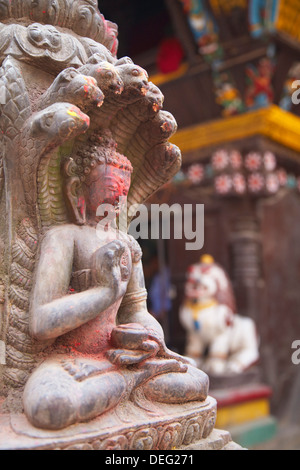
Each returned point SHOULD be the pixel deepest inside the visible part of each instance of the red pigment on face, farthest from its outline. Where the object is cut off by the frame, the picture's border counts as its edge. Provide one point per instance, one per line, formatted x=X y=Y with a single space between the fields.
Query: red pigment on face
x=81 y=205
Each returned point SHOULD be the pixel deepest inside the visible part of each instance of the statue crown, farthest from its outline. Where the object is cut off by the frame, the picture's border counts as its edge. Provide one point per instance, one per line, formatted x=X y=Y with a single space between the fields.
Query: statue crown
x=99 y=149
x=207 y=259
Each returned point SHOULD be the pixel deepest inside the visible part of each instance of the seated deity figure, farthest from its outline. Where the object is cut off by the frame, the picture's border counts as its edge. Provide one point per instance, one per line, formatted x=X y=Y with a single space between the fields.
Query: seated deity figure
x=89 y=300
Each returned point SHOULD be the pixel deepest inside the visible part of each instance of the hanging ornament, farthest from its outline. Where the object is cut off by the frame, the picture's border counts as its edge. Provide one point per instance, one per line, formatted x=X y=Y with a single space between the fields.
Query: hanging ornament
x=270 y=161
x=236 y=159
x=195 y=173
x=220 y=160
x=253 y=161
x=256 y=182
x=272 y=183
x=239 y=183
x=170 y=56
x=223 y=184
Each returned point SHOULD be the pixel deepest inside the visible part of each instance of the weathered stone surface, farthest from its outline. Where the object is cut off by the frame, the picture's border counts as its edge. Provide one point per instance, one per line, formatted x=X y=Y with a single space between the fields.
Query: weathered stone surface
x=139 y=426
x=217 y=440
x=86 y=365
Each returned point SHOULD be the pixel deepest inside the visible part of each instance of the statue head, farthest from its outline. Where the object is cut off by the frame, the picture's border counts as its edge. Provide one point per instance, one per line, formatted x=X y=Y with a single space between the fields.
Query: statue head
x=97 y=175
x=208 y=281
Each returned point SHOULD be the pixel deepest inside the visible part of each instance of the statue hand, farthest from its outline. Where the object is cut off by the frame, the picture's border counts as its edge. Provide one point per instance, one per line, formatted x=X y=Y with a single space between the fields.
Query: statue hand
x=135 y=337
x=128 y=357
x=111 y=267
x=134 y=345
x=168 y=354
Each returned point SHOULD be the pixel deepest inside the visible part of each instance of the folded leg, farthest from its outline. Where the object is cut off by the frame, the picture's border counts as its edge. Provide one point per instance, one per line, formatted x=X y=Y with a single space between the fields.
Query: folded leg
x=178 y=388
x=54 y=398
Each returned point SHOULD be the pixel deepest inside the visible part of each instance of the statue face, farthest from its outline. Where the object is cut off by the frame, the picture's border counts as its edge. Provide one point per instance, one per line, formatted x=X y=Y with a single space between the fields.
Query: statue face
x=200 y=287
x=105 y=185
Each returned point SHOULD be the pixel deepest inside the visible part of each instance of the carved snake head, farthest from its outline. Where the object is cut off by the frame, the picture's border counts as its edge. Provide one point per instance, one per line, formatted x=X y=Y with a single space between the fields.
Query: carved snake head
x=135 y=79
x=106 y=75
x=58 y=123
x=78 y=88
x=155 y=97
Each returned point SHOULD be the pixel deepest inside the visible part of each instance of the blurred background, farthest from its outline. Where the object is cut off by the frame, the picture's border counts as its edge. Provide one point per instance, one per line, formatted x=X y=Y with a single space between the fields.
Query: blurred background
x=228 y=71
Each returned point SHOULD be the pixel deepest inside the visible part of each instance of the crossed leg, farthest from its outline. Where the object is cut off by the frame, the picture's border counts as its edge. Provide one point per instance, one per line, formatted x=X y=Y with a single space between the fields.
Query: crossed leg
x=176 y=388
x=59 y=394
x=62 y=392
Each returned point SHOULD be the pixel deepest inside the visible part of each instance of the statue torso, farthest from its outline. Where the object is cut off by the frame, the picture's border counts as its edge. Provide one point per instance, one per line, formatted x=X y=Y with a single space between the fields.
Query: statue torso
x=92 y=338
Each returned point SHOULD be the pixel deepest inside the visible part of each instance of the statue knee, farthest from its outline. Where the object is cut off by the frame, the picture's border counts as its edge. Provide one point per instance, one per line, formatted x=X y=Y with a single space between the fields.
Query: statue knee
x=49 y=404
x=51 y=411
x=177 y=388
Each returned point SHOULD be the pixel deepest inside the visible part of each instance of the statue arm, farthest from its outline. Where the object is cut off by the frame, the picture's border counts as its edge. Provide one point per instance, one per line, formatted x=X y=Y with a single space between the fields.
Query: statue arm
x=134 y=310
x=53 y=312
x=134 y=305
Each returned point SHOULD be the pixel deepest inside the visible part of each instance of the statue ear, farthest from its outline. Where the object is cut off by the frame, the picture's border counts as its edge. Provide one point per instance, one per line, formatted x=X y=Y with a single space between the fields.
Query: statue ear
x=75 y=199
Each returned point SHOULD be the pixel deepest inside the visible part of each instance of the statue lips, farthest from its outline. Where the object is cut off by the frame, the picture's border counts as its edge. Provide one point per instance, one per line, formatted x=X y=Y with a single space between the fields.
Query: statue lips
x=117 y=87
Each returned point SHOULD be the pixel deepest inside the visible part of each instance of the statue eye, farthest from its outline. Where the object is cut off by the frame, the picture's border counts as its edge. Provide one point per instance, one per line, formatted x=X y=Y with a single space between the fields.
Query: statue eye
x=109 y=74
x=48 y=120
x=73 y=74
x=135 y=73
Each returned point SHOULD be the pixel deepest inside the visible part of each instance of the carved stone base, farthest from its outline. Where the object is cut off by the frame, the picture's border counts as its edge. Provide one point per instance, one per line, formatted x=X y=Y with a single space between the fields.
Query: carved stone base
x=131 y=426
x=217 y=440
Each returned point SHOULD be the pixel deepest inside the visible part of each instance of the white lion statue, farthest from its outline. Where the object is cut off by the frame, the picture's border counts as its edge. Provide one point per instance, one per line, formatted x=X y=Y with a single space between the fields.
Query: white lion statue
x=221 y=342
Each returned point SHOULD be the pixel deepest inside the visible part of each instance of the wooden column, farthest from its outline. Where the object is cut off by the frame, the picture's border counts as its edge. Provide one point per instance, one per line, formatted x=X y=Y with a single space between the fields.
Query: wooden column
x=247 y=264
x=183 y=31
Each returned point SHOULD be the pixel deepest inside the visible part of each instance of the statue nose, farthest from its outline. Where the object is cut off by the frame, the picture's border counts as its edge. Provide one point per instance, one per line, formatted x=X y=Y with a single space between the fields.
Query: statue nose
x=119 y=87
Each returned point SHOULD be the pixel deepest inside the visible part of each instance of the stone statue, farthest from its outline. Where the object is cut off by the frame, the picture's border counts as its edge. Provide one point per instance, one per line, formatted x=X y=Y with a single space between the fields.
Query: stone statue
x=81 y=128
x=108 y=358
x=222 y=342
